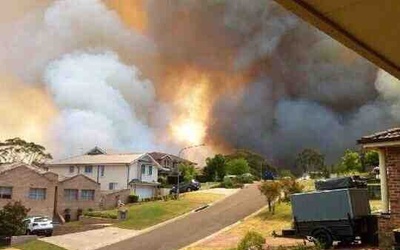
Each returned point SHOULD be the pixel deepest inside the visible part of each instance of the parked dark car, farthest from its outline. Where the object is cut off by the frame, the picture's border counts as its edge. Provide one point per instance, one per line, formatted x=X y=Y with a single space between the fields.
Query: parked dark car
x=186 y=187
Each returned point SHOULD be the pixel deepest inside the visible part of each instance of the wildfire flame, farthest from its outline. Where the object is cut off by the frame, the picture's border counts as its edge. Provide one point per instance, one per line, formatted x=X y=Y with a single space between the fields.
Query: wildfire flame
x=192 y=107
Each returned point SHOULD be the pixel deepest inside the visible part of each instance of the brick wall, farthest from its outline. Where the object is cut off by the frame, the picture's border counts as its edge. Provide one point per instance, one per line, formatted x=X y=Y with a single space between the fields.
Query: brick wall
x=21 y=179
x=386 y=223
x=385 y=228
x=78 y=182
x=109 y=200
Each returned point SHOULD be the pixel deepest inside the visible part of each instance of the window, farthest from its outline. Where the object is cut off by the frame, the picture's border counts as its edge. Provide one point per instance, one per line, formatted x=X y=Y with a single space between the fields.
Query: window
x=88 y=169
x=71 y=169
x=5 y=192
x=71 y=194
x=87 y=195
x=150 y=170
x=112 y=185
x=37 y=193
x=143 y=169
x=101 y=169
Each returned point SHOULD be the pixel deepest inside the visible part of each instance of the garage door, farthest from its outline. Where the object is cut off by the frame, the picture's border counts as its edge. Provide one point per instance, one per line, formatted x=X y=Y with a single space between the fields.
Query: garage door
x=144 y=192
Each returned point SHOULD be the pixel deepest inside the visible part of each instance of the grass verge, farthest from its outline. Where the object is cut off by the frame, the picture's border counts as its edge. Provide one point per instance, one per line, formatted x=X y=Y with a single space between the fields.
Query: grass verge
x=37 y=244
x=151 y=213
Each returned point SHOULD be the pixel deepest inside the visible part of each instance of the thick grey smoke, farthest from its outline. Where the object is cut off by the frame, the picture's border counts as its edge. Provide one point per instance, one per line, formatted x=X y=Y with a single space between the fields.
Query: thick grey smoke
x=311 y=93
x=303 y=89
x=86 y=57
x=63 y=27
x=99 y=98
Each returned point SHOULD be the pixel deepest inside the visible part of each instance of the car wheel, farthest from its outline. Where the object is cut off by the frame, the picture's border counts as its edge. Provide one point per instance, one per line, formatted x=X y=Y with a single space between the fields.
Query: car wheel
x=323 y=238
x=49 y=234
x=188 y=189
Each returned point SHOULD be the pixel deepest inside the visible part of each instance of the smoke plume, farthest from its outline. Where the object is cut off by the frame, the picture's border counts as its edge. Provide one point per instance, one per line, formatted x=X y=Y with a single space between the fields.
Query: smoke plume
x=145 y=75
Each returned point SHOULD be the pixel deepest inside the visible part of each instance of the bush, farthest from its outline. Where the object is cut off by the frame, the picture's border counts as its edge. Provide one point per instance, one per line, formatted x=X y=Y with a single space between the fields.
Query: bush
x=245 y=178
x=101 y=214
x=252 y=240
x=289 y=187
x=11 y=219
x=237 y=166
x=133 y=198
x=227 y=183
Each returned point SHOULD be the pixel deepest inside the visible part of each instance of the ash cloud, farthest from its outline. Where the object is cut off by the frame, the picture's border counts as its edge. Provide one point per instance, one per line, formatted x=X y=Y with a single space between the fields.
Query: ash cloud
x=301 y=88
x=310 y=92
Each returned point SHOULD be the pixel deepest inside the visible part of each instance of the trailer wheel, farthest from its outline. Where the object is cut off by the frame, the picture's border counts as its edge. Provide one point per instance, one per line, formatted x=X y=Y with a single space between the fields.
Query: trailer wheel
x=323 y=238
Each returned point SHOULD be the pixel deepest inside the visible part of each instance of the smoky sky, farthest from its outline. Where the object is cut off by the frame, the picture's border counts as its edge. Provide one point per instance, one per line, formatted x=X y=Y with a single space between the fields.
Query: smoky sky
x=305 y=90
x=301 y=89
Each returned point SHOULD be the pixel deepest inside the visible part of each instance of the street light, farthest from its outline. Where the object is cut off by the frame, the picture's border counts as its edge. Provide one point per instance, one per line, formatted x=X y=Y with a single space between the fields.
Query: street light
x=179 y=155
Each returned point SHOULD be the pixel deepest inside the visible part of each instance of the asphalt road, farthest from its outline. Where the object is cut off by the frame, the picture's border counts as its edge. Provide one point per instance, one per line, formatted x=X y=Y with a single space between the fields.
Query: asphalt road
x=196 y=226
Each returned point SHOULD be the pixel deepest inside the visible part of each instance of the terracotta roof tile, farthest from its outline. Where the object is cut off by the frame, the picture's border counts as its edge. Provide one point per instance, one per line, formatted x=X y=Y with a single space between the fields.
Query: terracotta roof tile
x=392 y=134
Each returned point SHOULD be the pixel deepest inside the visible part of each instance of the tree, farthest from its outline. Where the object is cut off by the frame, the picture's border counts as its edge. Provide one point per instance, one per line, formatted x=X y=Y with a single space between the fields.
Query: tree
x=371 y=159
x=350 y=162
x=215 y=168
x=310 y=160
x=11 y=219
x=290 y=186
x=257 y=163
x=237 y=167
x=19 y=150
x=286 y=173
x=187 y=171
x=272 y=191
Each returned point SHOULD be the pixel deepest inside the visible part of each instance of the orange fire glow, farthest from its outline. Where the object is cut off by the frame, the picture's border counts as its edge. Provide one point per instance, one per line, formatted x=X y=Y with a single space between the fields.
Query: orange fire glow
x=26 y=111
x=132 y=12
x=191 y=108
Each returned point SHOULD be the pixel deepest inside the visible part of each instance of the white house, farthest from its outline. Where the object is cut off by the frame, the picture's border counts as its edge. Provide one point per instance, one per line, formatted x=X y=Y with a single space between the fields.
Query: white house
x=113 y=171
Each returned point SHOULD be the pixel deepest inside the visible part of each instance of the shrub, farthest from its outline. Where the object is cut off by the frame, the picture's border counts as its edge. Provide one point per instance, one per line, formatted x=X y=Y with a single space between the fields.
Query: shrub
x=289 y=187
x=252 y=240
x=245 y=178
x=272 y=191
x=227 y=183
x=133 y=198
x=237 y=166
x=11 y=219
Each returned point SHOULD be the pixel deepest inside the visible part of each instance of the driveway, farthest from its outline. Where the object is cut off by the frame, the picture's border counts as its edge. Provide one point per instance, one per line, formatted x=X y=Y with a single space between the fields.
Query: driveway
x=196 y=226
x=92 y=239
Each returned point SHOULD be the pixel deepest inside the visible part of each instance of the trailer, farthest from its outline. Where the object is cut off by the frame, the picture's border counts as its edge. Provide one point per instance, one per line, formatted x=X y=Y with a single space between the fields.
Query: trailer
x=334 y=215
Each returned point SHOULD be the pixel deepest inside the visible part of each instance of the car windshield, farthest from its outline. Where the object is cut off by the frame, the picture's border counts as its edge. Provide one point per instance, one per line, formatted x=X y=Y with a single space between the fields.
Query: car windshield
x=41 y=219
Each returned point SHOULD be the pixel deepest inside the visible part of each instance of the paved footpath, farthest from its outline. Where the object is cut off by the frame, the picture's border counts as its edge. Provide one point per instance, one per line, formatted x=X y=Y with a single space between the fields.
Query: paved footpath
x=196 y=226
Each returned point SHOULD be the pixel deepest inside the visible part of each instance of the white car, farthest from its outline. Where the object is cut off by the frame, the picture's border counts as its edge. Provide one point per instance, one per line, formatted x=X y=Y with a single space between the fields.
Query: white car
x=39 y=225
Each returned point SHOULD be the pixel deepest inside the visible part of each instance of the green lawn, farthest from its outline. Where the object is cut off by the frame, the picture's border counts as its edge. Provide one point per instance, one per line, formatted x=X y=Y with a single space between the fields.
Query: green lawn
x=151 y=213
x=37 y=244
x=208 y=185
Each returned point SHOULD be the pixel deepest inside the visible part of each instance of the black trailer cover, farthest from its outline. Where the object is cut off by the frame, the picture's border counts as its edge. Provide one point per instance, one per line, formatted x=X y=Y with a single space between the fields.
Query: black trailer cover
x=338 y=183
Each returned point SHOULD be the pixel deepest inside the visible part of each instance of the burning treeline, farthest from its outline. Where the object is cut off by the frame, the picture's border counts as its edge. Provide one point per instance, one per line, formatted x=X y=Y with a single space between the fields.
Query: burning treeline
x=141 y=75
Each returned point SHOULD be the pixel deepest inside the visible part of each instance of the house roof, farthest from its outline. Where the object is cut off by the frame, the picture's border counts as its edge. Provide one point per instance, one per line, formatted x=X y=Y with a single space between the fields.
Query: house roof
x=64 y=179
x=98 y=159
x=101 y=156
x=139 y=182
x=10 y=166
x=389 y=135
x=159 y=155
x=350 y=22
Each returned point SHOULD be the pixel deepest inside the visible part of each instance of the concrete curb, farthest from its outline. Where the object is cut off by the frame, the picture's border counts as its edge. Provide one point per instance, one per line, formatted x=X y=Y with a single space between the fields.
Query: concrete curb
x=223 y=229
